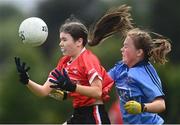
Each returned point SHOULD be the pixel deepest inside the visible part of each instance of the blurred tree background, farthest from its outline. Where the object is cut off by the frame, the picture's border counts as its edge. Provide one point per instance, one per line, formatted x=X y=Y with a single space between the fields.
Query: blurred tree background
x=19 y=105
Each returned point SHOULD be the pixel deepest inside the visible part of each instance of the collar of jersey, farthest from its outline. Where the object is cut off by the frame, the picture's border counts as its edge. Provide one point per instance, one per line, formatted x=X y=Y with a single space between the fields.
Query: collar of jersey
x=77 y=56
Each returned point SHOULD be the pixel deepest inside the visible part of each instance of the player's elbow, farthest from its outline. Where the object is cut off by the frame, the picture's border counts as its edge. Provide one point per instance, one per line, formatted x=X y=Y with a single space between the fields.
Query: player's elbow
x=97 y=92
x=99 y=95
x=163 y=107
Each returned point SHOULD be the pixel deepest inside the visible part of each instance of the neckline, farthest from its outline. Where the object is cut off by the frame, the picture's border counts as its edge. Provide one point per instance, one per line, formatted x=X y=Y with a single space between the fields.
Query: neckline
x=72 y=60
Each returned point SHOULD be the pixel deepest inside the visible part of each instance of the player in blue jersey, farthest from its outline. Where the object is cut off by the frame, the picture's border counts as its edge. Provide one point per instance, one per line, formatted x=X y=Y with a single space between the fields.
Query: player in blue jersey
x=138 y=85
x=137 y=82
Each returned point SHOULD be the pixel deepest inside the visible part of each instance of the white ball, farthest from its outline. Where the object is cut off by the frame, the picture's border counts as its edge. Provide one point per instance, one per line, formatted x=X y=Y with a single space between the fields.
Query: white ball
x=33 y=31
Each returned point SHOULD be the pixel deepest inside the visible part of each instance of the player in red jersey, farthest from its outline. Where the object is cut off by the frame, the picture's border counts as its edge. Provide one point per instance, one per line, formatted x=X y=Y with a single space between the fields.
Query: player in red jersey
x=79 y=74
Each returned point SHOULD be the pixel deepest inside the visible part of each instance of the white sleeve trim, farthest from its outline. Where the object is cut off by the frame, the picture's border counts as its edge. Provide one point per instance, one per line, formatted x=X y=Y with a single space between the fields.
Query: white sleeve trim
x=93 y=76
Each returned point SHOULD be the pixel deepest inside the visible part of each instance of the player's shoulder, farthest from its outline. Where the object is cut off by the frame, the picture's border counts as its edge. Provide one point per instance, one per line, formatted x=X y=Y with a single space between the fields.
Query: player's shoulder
x=143 y=69
x=88 y=52
x=89 y=55
x=64 y=59
x=118 y=67
x=119 y=64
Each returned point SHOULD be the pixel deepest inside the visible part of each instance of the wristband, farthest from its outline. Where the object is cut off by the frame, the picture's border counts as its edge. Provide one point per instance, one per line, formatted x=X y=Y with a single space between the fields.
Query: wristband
x=143 y=107
x=58 y=95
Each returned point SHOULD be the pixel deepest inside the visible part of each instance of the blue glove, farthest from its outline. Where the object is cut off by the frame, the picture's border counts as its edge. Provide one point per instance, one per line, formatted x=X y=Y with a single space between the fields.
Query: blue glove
x=62 y=81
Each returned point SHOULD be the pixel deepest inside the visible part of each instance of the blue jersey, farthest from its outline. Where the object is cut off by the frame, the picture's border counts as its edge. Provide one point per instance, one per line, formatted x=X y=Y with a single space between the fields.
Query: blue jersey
x=140 y=83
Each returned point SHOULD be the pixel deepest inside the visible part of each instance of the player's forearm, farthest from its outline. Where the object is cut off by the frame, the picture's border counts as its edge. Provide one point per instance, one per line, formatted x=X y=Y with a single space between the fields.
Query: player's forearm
x=37 y=89
x=157 y=106
x=94 y=92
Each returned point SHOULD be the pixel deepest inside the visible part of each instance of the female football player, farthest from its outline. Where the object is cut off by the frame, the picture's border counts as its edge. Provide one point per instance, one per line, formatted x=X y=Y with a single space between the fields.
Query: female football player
x=79 y=73
x=137 y=82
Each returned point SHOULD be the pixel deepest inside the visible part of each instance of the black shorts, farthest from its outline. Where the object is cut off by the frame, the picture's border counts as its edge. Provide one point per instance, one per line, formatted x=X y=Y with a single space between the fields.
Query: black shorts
x=95 y=114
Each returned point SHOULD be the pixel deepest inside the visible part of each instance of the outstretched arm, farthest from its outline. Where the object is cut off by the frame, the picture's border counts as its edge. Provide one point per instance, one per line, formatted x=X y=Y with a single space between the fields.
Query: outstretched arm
x=39 y=90
x=22 y=69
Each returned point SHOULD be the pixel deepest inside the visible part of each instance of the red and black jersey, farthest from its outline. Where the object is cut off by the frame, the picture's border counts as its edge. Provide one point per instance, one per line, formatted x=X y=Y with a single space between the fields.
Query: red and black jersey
x=83 y=70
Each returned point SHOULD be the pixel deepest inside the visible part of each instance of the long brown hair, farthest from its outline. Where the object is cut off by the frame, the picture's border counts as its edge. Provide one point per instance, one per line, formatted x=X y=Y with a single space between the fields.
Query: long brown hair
x=118 y=20
x=114 y=20
x=154 y=45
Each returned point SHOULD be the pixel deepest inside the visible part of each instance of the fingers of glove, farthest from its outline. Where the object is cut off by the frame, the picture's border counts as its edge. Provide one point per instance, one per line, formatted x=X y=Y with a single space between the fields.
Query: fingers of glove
x=53 y=81
x=58 y=73
x=17 y=61
x=128 y=104
x=133 y=107
x=60 y=79
x=54 y=74
x=126 y=108
x=27 y=69
x=23 y=65
x=134 y=103
x=130 y=109
x=65 y=73
x=54 y=86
